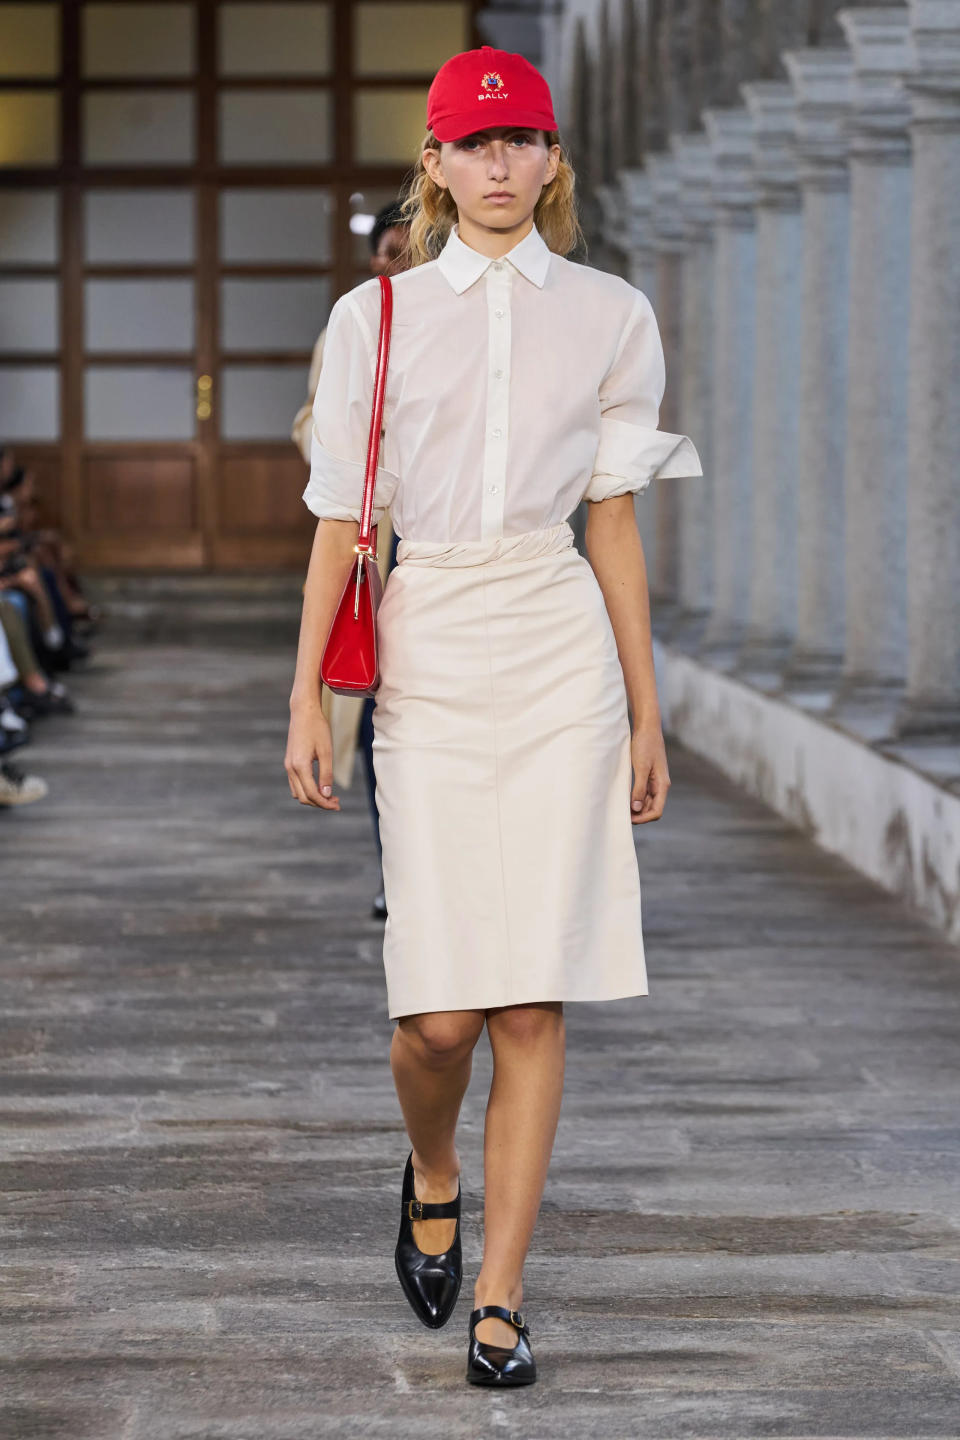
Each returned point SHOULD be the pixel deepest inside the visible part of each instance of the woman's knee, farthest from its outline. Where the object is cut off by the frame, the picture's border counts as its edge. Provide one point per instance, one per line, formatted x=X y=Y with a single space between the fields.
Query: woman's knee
x=525 y=1024
x=443 y=1036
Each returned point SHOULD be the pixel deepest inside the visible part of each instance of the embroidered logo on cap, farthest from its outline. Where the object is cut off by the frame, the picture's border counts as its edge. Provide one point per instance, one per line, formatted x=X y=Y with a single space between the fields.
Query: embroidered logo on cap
x=492 y=83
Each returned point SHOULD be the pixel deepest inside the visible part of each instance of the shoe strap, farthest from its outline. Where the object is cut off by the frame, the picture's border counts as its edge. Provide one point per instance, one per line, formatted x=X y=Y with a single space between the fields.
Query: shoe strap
x=513 y=1317
x=432 y=1209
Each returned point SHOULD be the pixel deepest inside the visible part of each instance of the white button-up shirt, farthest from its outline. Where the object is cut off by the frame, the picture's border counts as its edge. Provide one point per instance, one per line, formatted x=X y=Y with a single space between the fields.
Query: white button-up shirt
x=515 y=388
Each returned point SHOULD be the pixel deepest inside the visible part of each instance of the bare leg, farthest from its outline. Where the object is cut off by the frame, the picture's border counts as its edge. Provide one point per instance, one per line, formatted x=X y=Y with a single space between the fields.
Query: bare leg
x=431 y=1056
x=529 y=1048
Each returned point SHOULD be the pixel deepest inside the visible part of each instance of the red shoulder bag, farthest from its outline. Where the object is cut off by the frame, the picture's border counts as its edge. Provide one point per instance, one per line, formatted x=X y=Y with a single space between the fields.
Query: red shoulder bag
x=350 y=664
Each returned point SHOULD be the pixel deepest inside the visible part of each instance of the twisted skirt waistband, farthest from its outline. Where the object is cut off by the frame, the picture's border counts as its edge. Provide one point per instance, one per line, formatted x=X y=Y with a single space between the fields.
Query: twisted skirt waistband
x=528 y=545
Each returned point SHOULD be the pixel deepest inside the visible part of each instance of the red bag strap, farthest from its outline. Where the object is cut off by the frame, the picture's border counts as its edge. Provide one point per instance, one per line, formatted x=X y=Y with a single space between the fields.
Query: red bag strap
x=379 y=388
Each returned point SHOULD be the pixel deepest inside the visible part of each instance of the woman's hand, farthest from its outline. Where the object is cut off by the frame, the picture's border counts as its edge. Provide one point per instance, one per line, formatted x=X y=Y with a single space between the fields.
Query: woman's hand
x=308 y=740
x=651 y=778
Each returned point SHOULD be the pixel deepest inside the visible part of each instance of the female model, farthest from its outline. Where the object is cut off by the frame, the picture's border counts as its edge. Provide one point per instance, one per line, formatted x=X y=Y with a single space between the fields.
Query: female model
x=517 y=683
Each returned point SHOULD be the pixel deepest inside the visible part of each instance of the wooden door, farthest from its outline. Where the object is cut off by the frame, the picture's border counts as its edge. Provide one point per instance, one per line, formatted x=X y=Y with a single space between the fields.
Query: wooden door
x=185 y=195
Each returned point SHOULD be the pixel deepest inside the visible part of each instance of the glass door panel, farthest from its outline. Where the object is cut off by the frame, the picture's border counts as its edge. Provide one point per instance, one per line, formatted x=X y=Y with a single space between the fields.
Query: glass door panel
x=29 y=41
x=275 y=39
x=139 y=315
x=260 y=401
x=141 y=40
x=394 y=38
x=275 y=226
x=139 y=227
x=138 y=402
x=138 y=127
x=29 y=128
x=30 y=232
x=30 y=403
x=275 y=127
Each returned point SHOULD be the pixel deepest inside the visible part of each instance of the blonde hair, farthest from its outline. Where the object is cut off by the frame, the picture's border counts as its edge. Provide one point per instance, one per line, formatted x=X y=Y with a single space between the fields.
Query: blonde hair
x=430 y=211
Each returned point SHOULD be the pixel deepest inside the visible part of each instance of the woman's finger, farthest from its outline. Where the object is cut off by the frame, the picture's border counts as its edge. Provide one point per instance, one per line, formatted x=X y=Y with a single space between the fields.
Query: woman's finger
x=657 y=793
x=296 y=789
x=304 y=773
x=638 y=797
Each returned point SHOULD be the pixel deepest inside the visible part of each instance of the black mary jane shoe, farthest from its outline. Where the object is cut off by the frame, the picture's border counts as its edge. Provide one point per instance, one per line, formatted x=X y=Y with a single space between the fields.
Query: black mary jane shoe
x=489 y=1364
x=430 y=1282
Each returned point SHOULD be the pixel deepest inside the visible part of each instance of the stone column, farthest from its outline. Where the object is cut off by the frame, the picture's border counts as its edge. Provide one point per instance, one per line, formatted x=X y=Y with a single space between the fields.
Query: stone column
x=876 y=443
x=668 y=245
x=610 y=255
x=730 y=137
x=932 y=702
x=637 y=227
x=695 y=410
x=776 y=398
x=821 y=80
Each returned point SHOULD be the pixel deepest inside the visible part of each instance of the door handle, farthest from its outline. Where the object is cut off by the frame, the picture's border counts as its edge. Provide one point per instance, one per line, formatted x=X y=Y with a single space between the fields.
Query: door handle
x=204 y=397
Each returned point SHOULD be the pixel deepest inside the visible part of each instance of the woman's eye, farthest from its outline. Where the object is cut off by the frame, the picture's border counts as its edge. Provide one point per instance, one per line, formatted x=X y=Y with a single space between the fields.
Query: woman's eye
x=470 y=142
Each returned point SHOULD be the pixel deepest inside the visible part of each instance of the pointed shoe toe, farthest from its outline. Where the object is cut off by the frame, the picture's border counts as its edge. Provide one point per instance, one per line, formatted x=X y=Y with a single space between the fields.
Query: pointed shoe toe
x=500 y=1364
x=431 y=1283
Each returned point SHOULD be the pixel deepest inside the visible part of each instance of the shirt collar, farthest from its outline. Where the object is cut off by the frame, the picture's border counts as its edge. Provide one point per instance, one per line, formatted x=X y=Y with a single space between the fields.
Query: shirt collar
x=462 y=265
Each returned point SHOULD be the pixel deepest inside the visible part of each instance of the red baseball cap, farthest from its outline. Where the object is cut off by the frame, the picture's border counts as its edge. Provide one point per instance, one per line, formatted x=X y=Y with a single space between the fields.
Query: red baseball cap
x=481 y=89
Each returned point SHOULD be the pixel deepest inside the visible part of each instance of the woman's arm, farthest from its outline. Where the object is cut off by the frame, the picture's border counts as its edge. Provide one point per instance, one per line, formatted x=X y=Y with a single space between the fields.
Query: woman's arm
x=615 y=552
x=339 y=439
x=309 y=738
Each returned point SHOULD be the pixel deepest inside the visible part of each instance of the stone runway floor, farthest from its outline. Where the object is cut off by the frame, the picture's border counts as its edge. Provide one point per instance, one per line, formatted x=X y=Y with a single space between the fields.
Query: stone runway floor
x=750 y=1225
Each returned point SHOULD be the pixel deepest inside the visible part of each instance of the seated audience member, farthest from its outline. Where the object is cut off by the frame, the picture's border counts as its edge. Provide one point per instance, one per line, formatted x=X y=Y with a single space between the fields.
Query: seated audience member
x=16 y=787
x=44 y=616
x=22 y=567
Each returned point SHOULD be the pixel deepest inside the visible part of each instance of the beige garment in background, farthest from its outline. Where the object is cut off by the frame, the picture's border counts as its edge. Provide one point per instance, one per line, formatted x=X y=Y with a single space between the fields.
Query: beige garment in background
x=303 y=420
x=343 y=712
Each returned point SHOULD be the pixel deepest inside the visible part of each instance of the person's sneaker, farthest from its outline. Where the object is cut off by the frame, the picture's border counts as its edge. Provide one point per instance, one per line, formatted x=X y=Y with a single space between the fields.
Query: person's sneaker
x=17 y=788
x=378 y=911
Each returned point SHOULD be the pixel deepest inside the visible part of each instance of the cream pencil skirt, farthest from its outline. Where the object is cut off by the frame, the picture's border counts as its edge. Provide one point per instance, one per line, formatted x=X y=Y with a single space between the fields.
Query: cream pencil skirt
x=502 y=759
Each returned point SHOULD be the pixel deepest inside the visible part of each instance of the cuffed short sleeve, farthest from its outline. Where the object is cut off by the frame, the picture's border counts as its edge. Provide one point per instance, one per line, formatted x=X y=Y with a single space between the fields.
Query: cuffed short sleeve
x=632 y=451
x=340 y=429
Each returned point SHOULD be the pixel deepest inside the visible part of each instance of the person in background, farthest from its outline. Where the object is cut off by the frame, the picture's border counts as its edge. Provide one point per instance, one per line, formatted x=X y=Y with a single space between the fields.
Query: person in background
x=16 y=787
x=351 y=717
x=42 y=611
x=35 y=563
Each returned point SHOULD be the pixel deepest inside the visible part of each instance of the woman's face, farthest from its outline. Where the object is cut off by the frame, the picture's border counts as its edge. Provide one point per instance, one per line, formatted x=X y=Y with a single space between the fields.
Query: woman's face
x=507 y=159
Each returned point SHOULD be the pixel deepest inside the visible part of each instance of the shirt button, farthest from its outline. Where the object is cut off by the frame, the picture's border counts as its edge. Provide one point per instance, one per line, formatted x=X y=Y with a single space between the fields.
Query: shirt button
x=499 y=314
x=497 y=265
x=496 y=434
x=498 y=374
x=494 y=489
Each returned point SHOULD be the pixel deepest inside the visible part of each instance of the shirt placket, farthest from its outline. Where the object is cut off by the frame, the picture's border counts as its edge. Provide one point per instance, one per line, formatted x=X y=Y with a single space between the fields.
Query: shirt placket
x=498 y=284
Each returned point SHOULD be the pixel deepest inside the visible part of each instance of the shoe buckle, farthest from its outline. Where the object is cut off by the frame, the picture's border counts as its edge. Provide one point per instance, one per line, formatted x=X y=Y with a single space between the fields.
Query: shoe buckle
x=517 y=1319
x=410 y=1209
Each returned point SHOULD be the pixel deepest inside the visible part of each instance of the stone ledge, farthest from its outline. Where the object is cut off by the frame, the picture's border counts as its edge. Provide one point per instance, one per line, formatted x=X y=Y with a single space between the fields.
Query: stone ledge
x=878 y=811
